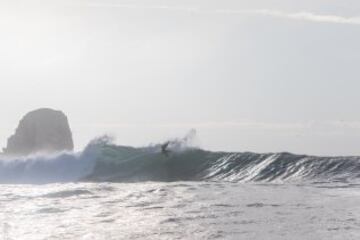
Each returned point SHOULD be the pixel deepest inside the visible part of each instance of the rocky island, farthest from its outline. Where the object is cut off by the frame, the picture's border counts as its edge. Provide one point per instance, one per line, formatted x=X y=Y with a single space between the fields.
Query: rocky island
x=41 y=131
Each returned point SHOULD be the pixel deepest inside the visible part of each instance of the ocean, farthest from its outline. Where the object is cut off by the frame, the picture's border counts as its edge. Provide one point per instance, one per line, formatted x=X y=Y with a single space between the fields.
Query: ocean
x=119 y=192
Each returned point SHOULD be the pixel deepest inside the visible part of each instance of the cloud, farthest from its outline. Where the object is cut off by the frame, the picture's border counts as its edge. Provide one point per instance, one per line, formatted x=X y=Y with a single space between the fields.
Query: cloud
x=305 y=16
x=301 y=16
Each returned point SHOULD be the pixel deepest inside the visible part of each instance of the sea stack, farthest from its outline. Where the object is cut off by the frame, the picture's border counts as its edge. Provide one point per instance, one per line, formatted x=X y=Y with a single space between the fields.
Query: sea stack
x=41 y=131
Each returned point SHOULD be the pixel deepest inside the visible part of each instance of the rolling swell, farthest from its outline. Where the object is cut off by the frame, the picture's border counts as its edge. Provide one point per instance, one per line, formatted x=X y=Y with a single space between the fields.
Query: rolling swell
x=127 y=164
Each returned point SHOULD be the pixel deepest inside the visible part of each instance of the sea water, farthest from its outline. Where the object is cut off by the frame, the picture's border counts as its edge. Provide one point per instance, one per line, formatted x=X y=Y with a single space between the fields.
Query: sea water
x=180 y=210
x=118 y=192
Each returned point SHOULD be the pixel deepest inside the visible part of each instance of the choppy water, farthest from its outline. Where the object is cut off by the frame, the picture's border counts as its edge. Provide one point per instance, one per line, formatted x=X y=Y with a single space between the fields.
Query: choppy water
x=180 y=210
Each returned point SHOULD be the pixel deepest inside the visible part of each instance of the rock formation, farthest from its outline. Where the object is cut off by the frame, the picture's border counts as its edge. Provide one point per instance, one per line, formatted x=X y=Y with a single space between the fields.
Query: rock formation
x=43 y=130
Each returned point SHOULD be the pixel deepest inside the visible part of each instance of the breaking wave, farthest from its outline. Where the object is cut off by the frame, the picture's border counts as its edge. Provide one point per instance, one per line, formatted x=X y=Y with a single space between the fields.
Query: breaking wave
x=40 y=169
x=127 y=164
x=103 y=161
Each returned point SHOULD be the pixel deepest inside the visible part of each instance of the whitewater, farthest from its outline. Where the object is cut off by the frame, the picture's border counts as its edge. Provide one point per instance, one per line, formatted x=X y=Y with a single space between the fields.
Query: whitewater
x=108 y=191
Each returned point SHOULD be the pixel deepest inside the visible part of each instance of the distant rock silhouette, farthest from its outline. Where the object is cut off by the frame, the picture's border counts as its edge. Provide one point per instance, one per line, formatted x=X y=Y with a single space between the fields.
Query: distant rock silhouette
x=43 y=130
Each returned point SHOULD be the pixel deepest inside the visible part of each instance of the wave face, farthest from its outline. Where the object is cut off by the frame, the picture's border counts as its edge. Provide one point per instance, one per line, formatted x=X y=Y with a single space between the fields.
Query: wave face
x=127 y=164
x=107 y=162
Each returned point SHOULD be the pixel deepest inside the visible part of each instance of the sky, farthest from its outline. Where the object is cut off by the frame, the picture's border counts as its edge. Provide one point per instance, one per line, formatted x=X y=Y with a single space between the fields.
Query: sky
x=255 y=75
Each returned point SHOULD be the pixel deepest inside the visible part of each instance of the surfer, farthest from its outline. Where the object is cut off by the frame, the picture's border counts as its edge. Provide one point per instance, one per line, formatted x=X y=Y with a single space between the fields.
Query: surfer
x=164 y=149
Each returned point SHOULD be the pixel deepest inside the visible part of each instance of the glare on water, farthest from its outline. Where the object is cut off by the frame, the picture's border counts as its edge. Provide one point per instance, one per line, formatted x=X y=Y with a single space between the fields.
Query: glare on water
x=182 y=210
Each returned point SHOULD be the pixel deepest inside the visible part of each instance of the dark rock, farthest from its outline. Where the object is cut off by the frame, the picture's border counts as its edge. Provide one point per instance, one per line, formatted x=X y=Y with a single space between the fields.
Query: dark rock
x=43 y=130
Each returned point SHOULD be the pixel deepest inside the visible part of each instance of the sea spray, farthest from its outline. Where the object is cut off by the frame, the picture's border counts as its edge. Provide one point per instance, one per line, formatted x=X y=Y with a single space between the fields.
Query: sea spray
x=41 y=168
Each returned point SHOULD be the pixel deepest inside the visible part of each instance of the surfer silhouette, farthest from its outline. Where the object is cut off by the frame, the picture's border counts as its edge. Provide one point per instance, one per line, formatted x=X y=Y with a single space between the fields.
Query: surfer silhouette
x=164 y=149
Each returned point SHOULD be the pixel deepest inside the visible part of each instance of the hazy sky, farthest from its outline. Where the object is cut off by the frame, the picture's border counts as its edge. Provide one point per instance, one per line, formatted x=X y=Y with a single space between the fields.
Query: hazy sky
x=248 y=75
